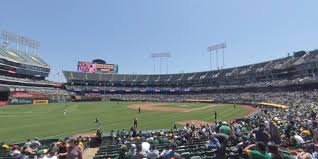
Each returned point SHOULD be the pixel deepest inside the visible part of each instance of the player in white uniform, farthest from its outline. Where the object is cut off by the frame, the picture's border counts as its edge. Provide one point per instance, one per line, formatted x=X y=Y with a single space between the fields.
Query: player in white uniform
x=65 y=112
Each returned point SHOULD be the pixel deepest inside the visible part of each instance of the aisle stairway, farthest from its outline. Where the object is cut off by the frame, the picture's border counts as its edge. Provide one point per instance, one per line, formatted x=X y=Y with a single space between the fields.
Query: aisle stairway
x=89 y=153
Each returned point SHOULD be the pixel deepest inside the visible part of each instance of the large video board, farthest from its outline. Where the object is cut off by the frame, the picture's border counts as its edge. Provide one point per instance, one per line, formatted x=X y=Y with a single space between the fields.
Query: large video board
x=93 y=67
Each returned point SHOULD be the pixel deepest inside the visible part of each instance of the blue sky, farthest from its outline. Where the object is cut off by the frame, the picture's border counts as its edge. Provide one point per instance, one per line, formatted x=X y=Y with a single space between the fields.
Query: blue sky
x=125 y=32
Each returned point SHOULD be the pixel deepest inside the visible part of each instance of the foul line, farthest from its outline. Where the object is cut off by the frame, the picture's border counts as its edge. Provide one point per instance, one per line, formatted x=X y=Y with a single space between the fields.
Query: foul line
x=201 y=108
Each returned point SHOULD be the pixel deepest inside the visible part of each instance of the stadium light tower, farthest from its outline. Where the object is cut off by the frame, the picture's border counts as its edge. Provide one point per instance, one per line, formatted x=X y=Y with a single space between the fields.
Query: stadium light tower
x=20 y=42
x=216 y=48
x=161 y=56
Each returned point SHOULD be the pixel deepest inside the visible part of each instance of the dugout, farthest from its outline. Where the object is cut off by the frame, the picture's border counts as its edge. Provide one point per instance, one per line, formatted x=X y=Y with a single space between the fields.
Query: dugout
x=4 y=93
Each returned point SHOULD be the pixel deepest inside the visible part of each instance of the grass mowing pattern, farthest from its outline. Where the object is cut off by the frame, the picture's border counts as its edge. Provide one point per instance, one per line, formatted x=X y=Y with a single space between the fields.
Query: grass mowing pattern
x=18 y=123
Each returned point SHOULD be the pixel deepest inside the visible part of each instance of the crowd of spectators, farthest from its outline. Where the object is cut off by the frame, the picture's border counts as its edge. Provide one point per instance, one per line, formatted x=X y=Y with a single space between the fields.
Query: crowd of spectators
x=273 y=133
x=56 y=94
x=298 y=97
x=40 y=90
x=67 y=148
x=196 y=87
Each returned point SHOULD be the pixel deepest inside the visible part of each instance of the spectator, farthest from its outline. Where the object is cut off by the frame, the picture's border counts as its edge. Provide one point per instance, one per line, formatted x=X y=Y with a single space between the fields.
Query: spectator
x=257 y=151
x=153 y=153
x=273 y=149
x=132 y=151
x=15 y=150
x=297 y=140
x=315 y=153
x=62 y=149
x=165 y=151
x=225 y=128
x=172 y=153
x=214 y=143
x=260 y=134
x=74 y=151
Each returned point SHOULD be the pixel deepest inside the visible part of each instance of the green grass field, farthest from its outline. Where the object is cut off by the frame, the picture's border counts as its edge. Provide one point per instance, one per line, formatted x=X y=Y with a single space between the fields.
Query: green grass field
x=18 y=123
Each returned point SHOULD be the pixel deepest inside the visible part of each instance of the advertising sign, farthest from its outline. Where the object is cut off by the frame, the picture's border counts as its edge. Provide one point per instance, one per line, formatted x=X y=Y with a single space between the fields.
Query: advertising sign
x=20 y=101
x=2 y=103
x=27 y=95
x=40 y=102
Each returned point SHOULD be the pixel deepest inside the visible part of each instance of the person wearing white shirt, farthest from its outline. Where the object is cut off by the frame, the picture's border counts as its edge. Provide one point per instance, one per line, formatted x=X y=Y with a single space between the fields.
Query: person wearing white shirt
x=153 y=153
x=299 y=140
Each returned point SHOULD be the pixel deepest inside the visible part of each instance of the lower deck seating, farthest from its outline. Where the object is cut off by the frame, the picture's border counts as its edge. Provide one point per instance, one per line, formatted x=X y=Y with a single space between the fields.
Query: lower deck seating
x=193 y=149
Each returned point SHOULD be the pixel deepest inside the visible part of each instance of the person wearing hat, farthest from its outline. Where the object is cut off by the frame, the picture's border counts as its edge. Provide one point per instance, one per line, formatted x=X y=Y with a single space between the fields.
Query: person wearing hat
x=132 y=151
x=15 y=150
x=5 y=146
x=225 y=128
x=122 y=152
x=305 y=133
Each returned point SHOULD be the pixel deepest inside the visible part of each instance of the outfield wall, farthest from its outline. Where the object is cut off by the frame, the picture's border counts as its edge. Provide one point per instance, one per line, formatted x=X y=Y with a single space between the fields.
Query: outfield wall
x=17 y=98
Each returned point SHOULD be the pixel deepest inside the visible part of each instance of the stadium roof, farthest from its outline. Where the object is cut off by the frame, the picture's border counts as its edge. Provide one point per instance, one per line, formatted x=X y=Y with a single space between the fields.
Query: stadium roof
x=23 y=58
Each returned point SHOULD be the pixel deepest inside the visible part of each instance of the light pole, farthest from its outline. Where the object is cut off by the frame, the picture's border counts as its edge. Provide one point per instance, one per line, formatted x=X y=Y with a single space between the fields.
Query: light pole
x=161 y=56
x=216 y=48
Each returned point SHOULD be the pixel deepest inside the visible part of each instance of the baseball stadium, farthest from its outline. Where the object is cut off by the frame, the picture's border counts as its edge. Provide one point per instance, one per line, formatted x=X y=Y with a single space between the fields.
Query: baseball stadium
x=261 y=110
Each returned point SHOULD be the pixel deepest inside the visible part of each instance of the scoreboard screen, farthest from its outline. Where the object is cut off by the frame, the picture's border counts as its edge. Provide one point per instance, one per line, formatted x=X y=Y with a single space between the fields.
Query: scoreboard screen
x=96 y=68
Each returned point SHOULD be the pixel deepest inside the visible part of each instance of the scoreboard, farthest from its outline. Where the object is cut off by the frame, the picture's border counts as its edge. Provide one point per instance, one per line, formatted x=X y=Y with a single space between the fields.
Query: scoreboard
x=96 y=68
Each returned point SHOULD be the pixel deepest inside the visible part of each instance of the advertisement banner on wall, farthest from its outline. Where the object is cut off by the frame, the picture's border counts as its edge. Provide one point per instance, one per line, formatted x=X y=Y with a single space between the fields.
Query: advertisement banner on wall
x=41 y=102
x=3 y=103
x=20 y=101
x=27 y=95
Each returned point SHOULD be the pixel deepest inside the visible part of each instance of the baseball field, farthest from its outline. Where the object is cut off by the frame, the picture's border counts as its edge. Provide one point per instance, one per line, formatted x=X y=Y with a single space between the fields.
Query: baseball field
x=21 y=122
